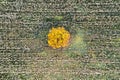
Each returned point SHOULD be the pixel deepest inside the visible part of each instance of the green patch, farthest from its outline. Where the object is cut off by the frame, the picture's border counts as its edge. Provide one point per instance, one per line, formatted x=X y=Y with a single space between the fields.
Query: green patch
x=77 y=46
x=58 y=18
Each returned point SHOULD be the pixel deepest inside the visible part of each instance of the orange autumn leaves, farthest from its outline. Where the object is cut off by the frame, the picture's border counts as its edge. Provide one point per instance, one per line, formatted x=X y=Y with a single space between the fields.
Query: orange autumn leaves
x=58 y=37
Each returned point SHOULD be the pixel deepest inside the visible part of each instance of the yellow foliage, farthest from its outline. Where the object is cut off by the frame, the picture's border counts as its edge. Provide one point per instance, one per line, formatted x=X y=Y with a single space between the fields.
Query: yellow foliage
x=58 y=37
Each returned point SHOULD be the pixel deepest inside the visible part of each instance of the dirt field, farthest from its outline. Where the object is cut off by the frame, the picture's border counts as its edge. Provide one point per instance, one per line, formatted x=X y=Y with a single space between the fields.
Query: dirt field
x=94 y=48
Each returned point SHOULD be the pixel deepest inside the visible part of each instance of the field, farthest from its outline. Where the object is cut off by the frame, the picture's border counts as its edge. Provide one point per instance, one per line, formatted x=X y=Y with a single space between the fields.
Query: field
x=93 y=52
